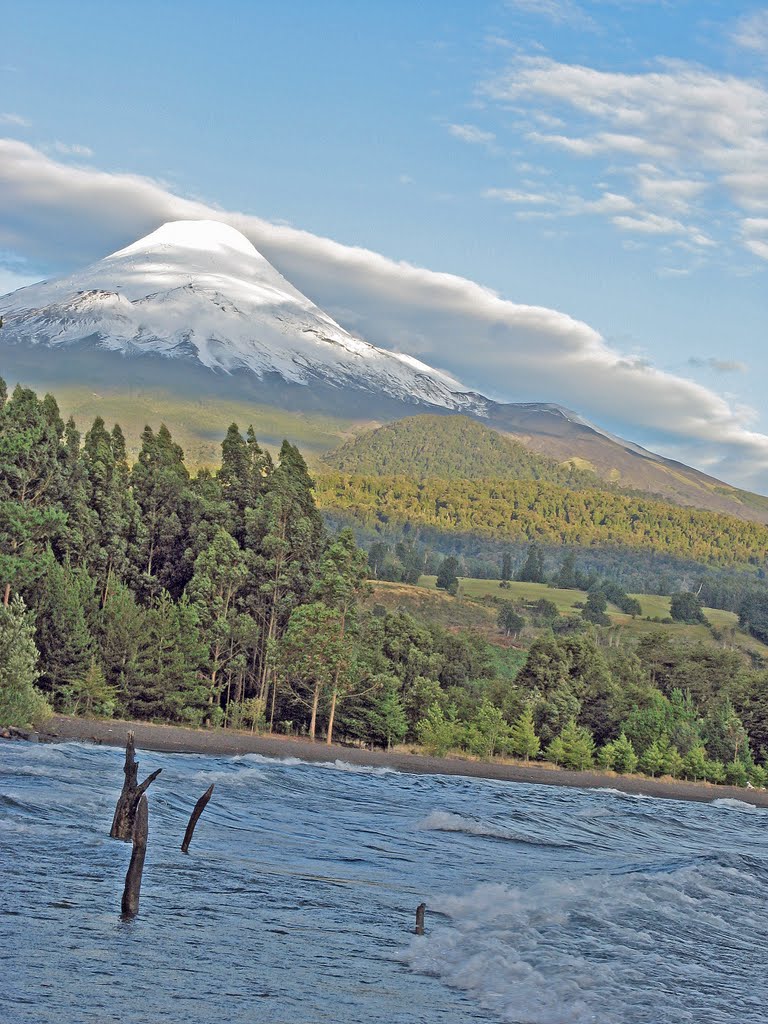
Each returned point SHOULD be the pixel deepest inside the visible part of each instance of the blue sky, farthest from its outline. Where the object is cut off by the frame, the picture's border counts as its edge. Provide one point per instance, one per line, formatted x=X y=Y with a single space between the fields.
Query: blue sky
x=605 y=161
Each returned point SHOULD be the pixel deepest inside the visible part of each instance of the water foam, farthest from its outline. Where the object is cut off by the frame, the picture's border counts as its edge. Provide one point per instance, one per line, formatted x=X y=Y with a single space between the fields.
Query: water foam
x=337 y=765
x=737 y=805
x=596 y=952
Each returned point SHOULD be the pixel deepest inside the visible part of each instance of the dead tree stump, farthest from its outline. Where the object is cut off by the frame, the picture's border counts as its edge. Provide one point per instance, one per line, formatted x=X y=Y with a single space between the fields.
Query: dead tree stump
x=419 y=929
x=128 y=801
x=199 y=808
x=130 y=904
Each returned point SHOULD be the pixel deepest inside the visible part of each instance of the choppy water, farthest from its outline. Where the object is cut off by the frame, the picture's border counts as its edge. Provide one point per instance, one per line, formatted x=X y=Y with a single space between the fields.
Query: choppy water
x=296 y=904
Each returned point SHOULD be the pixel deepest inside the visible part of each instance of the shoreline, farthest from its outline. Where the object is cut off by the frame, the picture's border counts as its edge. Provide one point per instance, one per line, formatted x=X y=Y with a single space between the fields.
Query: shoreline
x=173 y=739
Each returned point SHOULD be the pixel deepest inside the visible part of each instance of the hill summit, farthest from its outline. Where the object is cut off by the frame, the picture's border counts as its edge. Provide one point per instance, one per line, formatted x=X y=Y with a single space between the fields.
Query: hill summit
x=449 y=447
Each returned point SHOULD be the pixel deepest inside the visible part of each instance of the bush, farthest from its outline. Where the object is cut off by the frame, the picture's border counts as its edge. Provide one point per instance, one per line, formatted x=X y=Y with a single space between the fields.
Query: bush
x=758 y=776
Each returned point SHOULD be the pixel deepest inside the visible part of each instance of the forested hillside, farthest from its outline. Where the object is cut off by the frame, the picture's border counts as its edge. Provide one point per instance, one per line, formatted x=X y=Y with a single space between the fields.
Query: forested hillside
x=450 y=448
x=515 y=510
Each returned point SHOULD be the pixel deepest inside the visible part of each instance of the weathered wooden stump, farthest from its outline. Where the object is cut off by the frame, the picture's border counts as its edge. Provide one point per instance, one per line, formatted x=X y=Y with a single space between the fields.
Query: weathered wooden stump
x=130 y=904
x=128 y=801
x=199 y=808
x=419 y=929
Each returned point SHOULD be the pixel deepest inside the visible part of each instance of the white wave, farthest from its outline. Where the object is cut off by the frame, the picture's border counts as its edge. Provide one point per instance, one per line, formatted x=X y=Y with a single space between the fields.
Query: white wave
x=600 y=950
x=444 y=821
x=621 y=793
x=737 y=805
x=234 y=777
x=337 y=765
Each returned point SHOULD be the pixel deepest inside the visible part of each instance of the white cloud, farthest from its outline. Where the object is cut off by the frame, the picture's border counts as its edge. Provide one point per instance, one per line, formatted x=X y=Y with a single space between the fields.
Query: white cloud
x=471 y=133
x=70 y=215
x=655 y=224
x=718 y=365
x=559 y=12
x=687 y=139
x=511 y=195
x=751 y=31
x=14 y=119
x=72 y=149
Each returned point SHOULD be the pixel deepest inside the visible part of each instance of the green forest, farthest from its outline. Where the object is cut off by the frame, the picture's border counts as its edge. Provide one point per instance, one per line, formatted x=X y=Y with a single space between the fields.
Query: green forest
x=221 y=599
x=528 y=510
x=450 y=448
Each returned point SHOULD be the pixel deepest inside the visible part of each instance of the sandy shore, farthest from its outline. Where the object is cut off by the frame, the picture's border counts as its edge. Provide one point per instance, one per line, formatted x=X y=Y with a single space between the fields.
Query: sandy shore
x=220 y=742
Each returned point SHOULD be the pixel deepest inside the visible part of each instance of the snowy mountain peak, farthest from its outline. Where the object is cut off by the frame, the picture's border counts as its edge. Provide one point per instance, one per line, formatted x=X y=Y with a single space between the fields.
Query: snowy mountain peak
x=201 y=235
x=199 y=290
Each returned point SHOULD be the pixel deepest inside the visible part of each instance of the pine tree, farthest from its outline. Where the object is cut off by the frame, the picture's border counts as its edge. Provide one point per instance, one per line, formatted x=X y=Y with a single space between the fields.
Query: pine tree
x=578 y=747
x=21 y=703
x=160 y=483
x=32 y=458
x=567 y=577
x=523 y=741
x=438 y=732
x=387 y=723
x=120 y=631
x=167 y=682
x=63 y=636
x=488 y=732
x=624 y=756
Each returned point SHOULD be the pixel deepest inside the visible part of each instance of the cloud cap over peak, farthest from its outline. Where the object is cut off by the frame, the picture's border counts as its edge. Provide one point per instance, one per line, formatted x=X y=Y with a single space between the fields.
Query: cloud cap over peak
x=61 y=216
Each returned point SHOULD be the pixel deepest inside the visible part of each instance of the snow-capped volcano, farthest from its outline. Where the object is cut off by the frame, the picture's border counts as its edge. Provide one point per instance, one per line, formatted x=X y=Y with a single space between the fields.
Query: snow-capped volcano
x=199 y=290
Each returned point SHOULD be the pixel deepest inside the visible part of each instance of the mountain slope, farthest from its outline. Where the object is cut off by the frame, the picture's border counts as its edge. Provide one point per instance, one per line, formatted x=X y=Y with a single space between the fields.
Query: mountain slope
x=199 y=290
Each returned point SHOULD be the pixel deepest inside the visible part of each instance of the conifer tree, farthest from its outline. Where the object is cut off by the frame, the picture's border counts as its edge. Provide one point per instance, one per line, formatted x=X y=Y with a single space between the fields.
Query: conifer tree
x=21 y=703
x=523 y=741
x=63 y=636
x=167 y=682
x=120 y=632
x=32 y=515
x=160 y=483
x=506 y=567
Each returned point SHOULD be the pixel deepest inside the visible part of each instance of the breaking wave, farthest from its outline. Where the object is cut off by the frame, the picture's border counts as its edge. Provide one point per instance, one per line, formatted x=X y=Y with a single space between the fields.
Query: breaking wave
x=597 y=952
x=444 y=821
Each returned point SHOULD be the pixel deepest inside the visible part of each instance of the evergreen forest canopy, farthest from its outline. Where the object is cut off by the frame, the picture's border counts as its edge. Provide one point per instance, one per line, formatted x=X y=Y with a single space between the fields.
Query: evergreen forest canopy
x=221 y=599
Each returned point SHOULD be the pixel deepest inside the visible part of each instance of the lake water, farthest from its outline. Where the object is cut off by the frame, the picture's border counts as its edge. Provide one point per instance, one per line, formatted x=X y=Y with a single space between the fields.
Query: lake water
x=296 y=904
